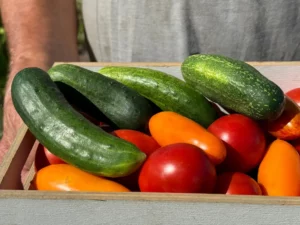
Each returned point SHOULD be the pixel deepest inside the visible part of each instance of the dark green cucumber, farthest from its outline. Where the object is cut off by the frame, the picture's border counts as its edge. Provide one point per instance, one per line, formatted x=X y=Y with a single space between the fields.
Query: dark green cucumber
x=234 y=85
x=82 y=104
x=65 y=132
x=166 y=91
x=122 y=105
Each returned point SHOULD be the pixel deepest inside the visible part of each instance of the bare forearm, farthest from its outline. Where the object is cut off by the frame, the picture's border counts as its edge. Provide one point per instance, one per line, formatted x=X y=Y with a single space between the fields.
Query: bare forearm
x=39 y=33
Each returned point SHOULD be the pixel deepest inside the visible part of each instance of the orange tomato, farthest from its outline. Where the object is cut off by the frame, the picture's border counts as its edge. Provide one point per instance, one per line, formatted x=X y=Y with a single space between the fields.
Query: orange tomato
x=169 y=128
x=64 y=177
x=144 y=142
x=279 y=171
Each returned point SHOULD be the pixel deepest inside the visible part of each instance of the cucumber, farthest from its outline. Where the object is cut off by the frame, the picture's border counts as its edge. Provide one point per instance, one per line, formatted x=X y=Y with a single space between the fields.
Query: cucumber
x=235 y=85
x=82 y=104
x=166 y=91
x=65 y=132
x=124 y=107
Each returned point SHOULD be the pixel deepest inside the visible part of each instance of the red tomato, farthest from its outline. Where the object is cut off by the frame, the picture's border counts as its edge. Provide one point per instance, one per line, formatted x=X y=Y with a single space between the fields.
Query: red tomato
x=180 y=167
x=52 y=159
x=90 y=118
x=45 y=158
x=287 y=125
x=130 y=181
x=101 y=124
x=296 y=144
x=245 y=142
x=40 y=160
x=236 y=183
x=106 y=127
x=294 y=94
x=144 y=142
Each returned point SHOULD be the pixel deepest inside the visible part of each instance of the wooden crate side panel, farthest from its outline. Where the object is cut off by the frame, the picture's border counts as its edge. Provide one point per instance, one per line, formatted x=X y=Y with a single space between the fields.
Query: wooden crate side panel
x=89 y=212
x=14 y=160
x=149 y=197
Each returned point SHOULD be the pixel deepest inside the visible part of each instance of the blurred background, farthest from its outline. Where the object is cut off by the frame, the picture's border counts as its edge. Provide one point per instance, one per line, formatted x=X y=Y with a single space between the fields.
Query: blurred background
x=4 y=56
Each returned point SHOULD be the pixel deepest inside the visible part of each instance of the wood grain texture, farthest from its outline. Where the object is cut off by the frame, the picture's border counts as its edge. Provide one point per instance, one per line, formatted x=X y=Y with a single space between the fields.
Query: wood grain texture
x=91 y=212
x=14 y=160
x=149 y=197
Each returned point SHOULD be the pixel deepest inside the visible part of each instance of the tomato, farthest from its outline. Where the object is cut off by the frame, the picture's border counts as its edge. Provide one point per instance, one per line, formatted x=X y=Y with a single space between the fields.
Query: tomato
x=170 y=128
x=40 y=160
x=43 y=158
x=253 y=173
x=287 y=126
x=279 y=171
x=245 y=142
x=106 y=127
x=294 y=94
x=180 y=167
x=296 y=144
x=52 y=159
x=130 y=181
x=236 y=183
x=86 y=115
x=90 y=118
x=144 y=142
x=64 y=177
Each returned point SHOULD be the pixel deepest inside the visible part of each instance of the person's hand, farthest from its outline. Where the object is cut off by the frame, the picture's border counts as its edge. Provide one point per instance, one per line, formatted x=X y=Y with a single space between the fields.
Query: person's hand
x=11 y=119
x=36 y=38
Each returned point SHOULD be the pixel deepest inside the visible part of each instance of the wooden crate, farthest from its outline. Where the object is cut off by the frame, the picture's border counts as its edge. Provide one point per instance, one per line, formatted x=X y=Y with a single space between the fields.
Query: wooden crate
x=41 y=207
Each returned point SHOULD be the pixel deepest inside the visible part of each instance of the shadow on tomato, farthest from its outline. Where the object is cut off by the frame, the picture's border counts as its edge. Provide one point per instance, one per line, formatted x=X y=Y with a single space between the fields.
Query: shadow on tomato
x=287 y=126
x=236 y=183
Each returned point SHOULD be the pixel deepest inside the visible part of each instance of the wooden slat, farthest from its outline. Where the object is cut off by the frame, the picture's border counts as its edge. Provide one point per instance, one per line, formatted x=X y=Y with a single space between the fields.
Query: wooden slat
x=275 y=63
x=170 y=64
x=143 y=196
x=26 y=180
x=150 y=64
x=15 y=158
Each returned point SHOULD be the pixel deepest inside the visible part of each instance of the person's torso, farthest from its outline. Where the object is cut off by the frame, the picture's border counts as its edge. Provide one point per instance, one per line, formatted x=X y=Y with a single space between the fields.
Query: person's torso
x=170 y=30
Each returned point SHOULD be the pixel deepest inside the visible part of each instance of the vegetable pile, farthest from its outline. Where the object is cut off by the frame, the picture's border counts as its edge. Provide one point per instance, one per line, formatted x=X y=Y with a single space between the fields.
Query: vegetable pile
x=225 y=128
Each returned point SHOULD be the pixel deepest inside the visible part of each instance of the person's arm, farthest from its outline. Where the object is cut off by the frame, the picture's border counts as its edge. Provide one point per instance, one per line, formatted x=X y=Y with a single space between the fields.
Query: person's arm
x=39 y=33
